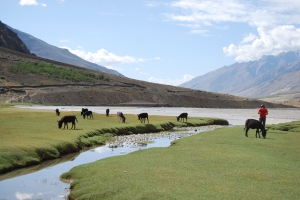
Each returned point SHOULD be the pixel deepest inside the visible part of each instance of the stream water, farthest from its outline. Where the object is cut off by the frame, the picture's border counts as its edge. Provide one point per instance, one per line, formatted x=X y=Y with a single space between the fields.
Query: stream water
x=42 y=181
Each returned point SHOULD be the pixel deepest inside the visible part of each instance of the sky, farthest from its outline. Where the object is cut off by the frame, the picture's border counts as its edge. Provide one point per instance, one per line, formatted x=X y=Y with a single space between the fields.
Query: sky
x=167 y=42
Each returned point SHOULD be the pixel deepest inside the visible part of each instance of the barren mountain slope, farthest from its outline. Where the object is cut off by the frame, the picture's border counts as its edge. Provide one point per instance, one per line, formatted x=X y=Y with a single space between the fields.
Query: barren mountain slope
x=263 y=77
x=113 y=90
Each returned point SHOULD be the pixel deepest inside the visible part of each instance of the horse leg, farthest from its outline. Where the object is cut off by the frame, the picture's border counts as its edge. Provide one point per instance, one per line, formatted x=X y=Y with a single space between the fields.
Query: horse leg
x=257 y=133
x=246 y=131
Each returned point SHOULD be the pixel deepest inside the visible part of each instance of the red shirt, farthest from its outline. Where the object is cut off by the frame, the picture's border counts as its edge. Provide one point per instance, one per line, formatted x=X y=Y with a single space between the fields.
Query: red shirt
x=262 y=112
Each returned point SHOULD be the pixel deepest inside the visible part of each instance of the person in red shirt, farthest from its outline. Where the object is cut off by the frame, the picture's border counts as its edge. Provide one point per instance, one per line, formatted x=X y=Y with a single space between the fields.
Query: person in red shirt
x=263 y=112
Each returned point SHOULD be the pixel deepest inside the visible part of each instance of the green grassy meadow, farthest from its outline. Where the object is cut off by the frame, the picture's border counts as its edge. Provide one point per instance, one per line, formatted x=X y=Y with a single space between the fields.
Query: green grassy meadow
x=30 y=136
x=219 y=164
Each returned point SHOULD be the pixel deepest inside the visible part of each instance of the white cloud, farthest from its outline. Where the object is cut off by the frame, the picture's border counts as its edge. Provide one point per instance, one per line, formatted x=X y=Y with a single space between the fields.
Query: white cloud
x=206 y=12
x=249 y=38
x=30 y=3
x=271 y=41
x=277 y=23
x=174 y=82
x=104 y=58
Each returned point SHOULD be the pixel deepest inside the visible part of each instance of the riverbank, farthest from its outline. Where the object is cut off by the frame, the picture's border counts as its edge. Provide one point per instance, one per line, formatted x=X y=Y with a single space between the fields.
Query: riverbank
x=31 y=136
x=42 y=181
x=219 y=164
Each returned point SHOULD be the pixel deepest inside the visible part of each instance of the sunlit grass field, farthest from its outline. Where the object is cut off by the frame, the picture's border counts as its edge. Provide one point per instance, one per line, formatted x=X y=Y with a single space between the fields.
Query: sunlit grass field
x=219 y=164
x=31 y=136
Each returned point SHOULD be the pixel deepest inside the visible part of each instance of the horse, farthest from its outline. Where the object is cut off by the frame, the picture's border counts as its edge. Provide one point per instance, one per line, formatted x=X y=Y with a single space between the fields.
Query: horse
x=182 y=116
x=57 y=112
x=87 y=114
x=143 y=116
x=67 y=119
x=121 y=117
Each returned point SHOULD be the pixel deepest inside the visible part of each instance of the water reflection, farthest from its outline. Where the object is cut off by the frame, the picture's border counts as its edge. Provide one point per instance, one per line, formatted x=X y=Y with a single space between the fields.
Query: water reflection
x=32 y=169
x=42 y=181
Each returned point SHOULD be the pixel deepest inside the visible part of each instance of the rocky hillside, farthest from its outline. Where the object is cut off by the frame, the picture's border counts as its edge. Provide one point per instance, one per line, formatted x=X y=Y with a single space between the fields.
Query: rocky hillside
x=48 y=82
x=10 y=39
x=269 y=75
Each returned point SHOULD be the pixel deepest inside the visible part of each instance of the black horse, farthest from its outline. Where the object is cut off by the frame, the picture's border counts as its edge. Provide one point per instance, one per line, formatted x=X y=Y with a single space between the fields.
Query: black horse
x=88 y=114
x=67 y=119
x=142 y=117
x=57 y=112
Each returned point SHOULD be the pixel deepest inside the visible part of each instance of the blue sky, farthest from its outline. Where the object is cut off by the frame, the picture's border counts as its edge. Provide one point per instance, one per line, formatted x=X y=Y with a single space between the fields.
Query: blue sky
x=167 y=42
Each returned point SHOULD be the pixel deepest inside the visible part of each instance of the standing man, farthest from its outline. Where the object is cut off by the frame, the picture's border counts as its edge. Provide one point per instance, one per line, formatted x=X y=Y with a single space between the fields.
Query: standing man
x=263 y=112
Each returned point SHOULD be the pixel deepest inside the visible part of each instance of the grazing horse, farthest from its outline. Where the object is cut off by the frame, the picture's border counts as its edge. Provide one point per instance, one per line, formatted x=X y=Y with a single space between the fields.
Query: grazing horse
x=182 y=116
x=66 y=120
x=107 y=112
x=142 y=117
x=88 y=114
x=121 y=117
x=57 y=112
x=255 y=124
x=83 y=110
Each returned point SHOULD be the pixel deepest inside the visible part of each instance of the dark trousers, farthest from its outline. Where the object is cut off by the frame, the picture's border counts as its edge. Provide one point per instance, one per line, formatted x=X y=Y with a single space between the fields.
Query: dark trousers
x=263 y=121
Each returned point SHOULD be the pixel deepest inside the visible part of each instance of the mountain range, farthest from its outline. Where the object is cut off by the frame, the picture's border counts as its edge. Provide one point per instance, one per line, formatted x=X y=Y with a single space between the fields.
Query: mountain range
x=45 y=50
x=269 y=75
x=28 y=78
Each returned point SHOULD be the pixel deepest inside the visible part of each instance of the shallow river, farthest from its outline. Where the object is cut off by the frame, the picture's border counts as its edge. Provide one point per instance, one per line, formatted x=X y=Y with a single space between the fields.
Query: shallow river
x=42 y=181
